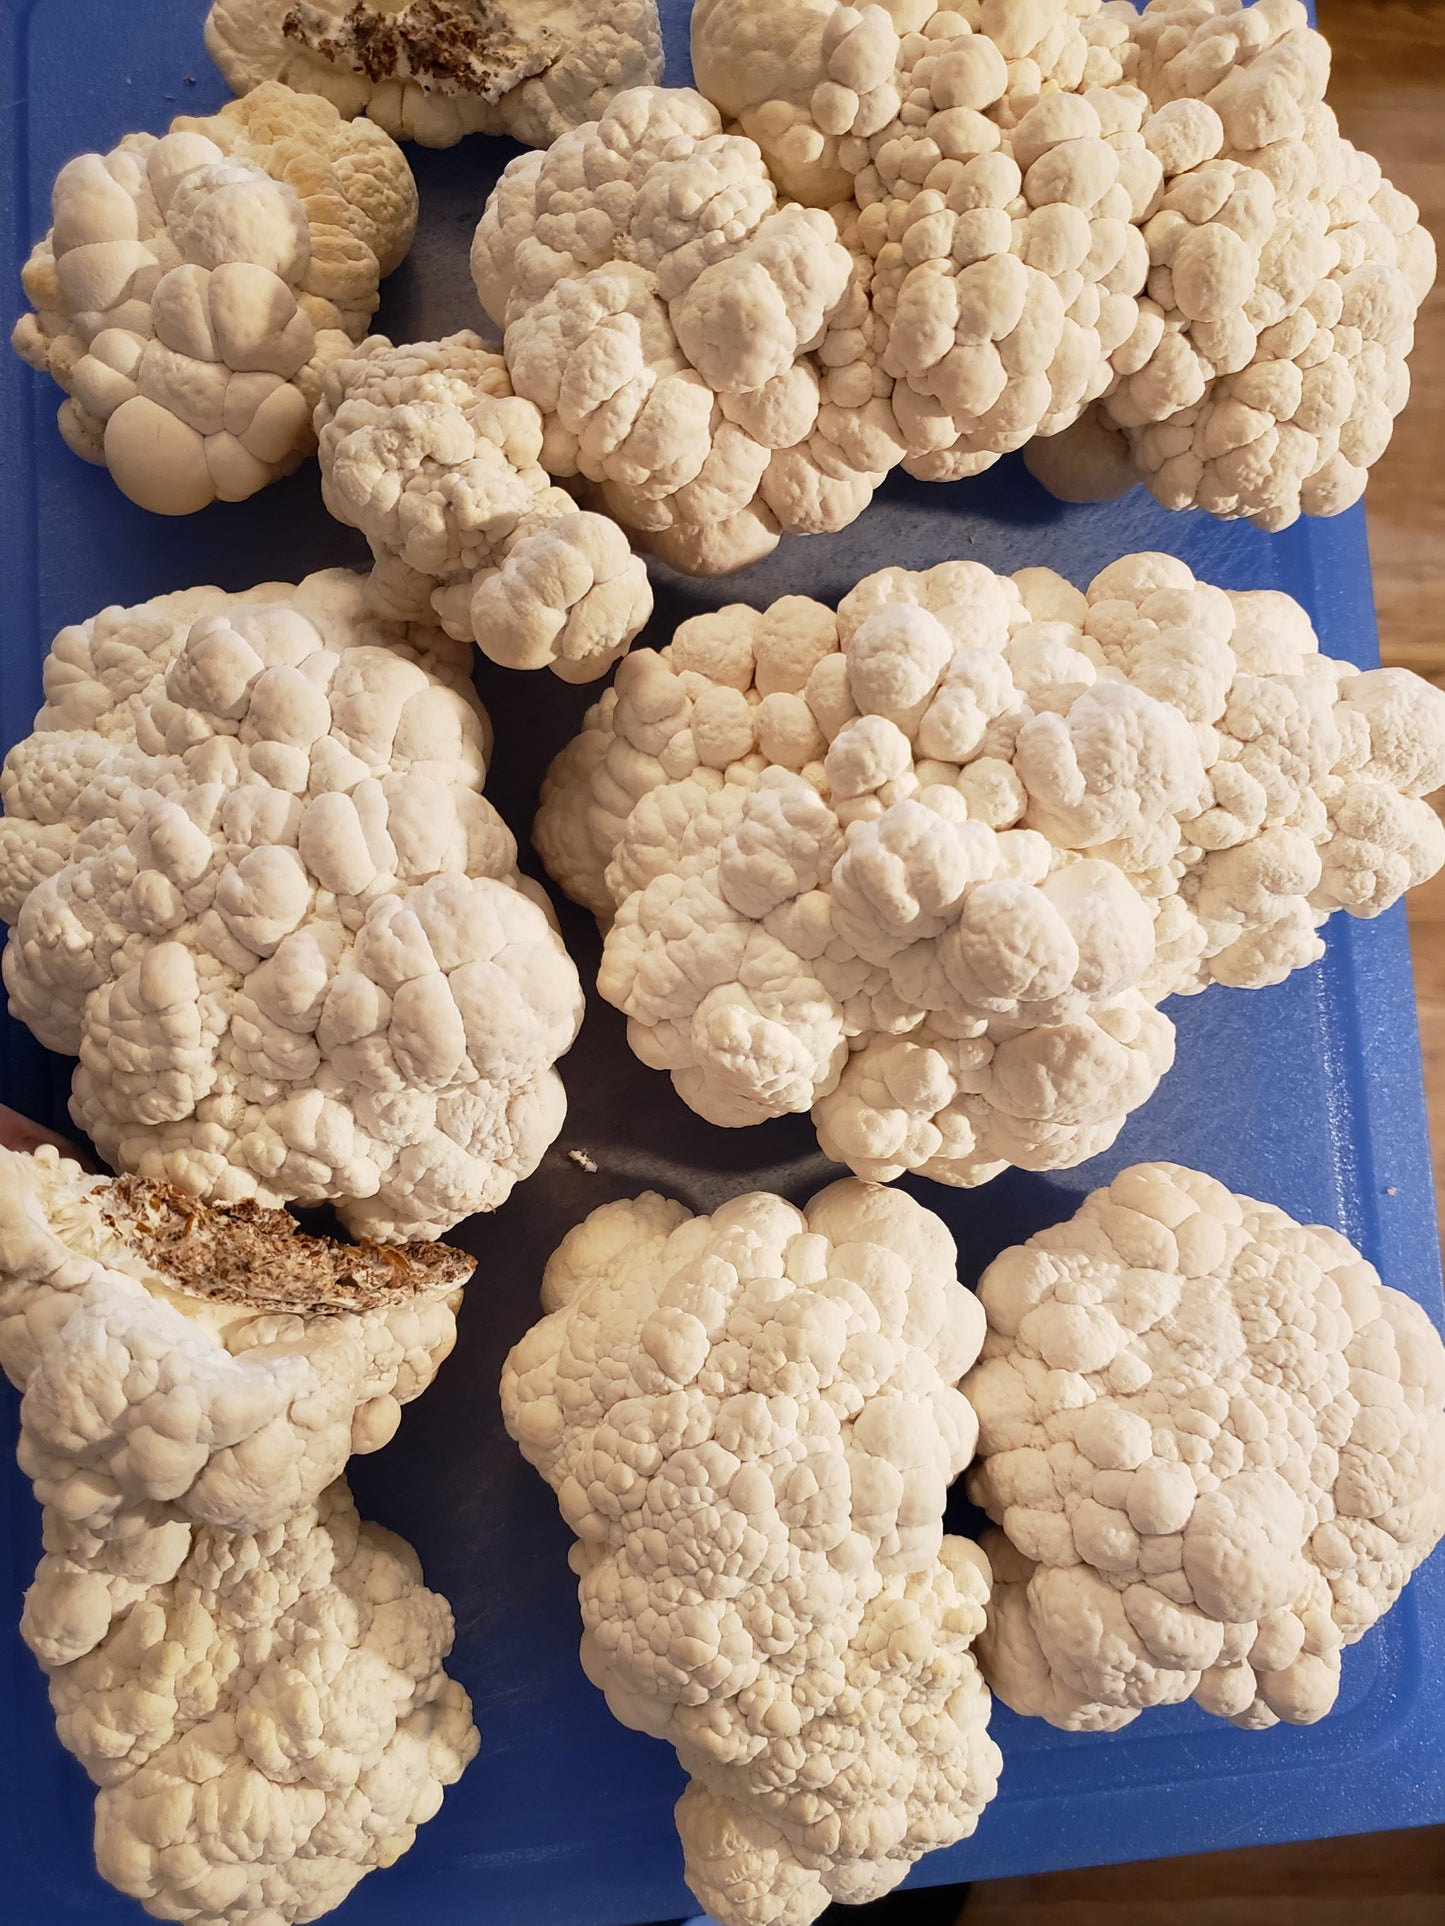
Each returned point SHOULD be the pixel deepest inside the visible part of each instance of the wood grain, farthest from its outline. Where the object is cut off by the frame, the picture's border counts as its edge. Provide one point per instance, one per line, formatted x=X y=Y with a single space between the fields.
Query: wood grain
x=1388 y=89
x=1427 y=948
x=1383 y=1879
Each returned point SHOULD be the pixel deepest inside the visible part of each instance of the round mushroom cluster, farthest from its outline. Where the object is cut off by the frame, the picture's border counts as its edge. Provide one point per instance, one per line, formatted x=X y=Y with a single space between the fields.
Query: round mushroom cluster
x=1215 y=1442
x=194 y=287
x=253 y=884
x=927 y=866
x=659 y=306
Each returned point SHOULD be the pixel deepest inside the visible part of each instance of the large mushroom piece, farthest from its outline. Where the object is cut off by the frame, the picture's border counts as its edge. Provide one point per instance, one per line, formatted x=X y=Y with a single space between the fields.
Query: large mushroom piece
x=1135 y=245
x=193 y=288
x=252 y=1676
x=1215 y=1443
x=662 y=307
x=927 y=866
x=253 y=885
x=751 y=1421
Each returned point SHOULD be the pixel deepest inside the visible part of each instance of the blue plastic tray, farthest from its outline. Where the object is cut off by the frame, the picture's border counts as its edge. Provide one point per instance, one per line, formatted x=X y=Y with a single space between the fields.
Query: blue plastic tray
x=1308 y=1095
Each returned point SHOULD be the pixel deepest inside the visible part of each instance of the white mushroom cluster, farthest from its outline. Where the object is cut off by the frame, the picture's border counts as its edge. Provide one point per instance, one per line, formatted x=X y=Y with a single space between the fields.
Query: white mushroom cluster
x=988 y=171
x=253 y=884
x=1136 y=245
x=193 y=288
x=751 y=1421
x=1285 y=274
x=1216 y=1445
x=1001 y=289
x=428 y=452
x=252 y=1676
x=927 y=866
x=820 y=86
x=433 y=71
x=659 y=306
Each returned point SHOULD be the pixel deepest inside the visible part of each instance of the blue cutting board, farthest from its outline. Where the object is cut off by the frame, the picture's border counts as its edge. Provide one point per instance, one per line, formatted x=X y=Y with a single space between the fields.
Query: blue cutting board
x=1308 y=1095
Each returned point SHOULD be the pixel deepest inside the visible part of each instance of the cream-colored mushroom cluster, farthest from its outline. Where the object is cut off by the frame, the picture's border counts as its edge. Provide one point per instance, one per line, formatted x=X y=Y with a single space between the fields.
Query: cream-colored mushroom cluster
x=252 y=1676
x=307 y=1731
x=1285 y=275
x=987 y=173
x=428 y=452
x=1135 y=244
x=1216 y=1445
x=253 y=884
x=817 y=85
x=433 y=71
x=751 y=1422
x=926 y=867
x=193 y=287
x=659 y=306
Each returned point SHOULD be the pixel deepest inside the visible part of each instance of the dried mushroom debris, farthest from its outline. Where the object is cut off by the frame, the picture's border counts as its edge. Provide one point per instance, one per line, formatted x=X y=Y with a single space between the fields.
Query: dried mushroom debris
x=435 y=70
x=253 y=884
x=927 y=866
x=245 y=1376
x=1215 y=1443
x=253 y=1677
x=248 y=1255
x=751 y=1421
x=450 y=46
x=194 y=287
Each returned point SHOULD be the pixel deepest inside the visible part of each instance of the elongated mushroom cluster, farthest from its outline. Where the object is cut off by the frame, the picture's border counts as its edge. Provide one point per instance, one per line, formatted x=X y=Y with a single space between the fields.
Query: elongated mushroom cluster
x=193 y=288
x=1135 y=244
x=252 y=1676
x=751 y=1422
x=926 y=867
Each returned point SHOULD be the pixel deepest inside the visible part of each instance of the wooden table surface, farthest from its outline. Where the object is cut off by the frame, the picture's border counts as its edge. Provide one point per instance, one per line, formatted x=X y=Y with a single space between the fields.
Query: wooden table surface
x=1388 y=89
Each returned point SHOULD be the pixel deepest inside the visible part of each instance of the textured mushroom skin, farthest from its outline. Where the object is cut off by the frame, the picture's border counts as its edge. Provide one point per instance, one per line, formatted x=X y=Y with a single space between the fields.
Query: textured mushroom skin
x=1215 y=1443
x=927 y=866
x=434 y=71
x=193 y=289
x=1145 y=219
x=253 y=885
x=665 y=327
x=1133 y=245
x=252 y=1676
x=427 y=451
x=751 y=1422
